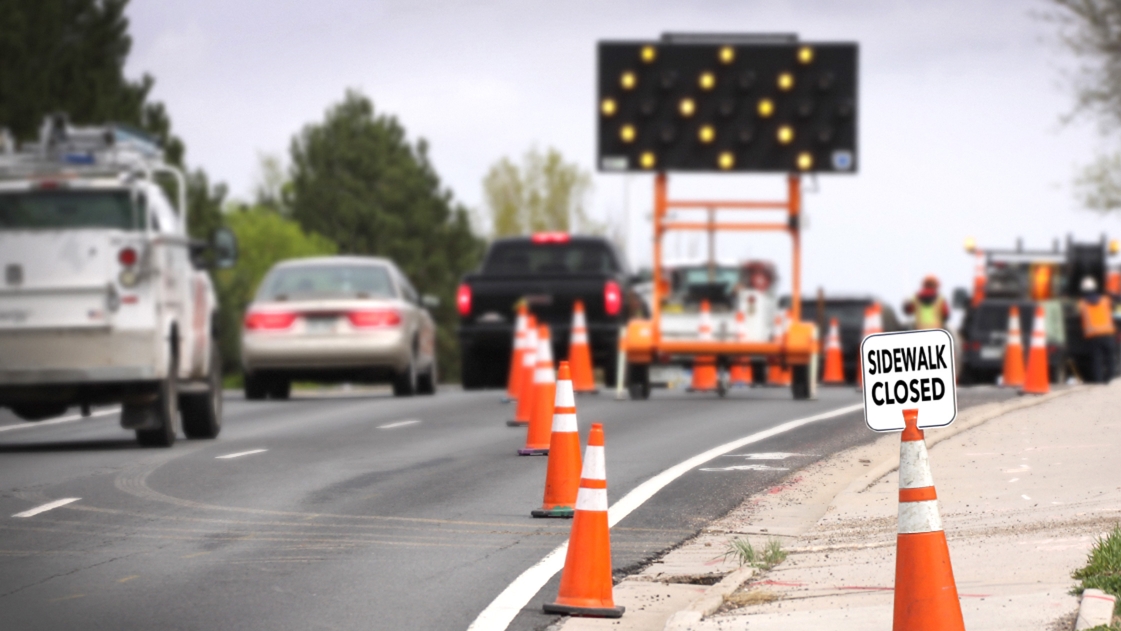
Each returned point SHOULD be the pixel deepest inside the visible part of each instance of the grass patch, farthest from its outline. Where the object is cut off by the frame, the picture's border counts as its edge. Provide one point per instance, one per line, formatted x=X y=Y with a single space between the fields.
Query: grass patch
x=1103 y=567
x=769 y=556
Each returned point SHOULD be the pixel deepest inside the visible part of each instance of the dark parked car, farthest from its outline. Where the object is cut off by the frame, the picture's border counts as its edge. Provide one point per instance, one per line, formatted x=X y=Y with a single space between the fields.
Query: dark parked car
x=849 y=311
x=549 y=271
x=985 y=332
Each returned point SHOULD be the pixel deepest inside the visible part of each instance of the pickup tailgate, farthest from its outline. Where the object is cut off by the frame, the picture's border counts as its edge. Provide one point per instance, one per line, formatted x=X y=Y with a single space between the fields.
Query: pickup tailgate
x=550 y=298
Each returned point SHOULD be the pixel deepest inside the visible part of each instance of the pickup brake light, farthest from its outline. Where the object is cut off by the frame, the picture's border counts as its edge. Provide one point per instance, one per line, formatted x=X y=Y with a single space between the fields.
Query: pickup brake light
x=550 y=237
x=612 y=298
x=463 y=300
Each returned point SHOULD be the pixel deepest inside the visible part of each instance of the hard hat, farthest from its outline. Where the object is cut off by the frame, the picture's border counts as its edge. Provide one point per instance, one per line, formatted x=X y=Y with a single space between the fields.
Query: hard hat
x=930 y=281
x=1089 y=285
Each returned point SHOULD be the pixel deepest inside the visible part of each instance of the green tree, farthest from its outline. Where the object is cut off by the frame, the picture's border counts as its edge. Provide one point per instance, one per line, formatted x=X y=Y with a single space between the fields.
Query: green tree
x=1091 y=29
x=357 y=180
x=544 y=193
x=69 y=56
x=264 y=238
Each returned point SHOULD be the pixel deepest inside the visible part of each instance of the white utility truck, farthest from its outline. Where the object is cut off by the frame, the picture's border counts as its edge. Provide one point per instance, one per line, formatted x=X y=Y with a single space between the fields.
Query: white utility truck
x=104 y=298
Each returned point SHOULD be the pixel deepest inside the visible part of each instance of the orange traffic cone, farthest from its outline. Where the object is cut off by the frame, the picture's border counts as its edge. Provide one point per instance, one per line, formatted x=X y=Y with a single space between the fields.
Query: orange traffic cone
x=704 y=366
x=1013 y=352
x=834 y=364
x=979 y=279
x=514 y=379
x=585 y=585
x=529 y=364
x=544 y=394
x=562 y=477
x=873 y=323
x=926 y=597
x=740 y=373
x=1036 y=381
x=580 y=354
x=777 y=374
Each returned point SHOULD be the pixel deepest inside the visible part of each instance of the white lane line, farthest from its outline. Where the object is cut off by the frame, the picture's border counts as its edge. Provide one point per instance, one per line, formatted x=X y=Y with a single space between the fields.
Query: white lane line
x=57 y=421
x=411 y=421
x=241 y=453
x=46 y=507
x=502 y=610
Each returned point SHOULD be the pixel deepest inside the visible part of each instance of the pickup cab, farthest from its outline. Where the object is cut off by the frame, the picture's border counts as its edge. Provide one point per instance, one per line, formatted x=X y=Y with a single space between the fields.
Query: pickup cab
x=548 y=271
x=104 y=298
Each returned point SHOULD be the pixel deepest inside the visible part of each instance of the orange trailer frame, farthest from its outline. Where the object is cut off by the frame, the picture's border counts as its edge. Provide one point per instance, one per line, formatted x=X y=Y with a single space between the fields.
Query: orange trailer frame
x=643 y=343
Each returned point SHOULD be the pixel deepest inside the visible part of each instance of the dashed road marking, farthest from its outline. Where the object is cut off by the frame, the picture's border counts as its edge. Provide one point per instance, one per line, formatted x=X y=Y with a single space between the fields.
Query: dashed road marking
x=46 y=507
x=127 y=578
x=241 y=453
x=59 y=421
x=748 y=467
x=411 y=421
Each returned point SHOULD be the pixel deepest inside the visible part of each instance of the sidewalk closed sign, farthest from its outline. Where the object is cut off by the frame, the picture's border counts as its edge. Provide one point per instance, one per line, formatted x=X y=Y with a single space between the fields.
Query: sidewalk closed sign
x=910 y=370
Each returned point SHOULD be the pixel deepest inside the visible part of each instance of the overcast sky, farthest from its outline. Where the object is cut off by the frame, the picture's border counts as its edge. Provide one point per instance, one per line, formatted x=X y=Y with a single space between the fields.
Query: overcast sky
x=960 y=106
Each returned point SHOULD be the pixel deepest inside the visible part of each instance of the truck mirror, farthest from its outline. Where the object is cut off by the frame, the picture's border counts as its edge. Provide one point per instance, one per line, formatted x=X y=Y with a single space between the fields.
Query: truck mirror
x=224 y=243
x=961 y=298
x=429 y=301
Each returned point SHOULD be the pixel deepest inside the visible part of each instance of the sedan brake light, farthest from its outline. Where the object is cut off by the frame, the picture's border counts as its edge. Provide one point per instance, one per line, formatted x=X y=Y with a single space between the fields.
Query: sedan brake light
x=269 y=320
x=463 y=300
x=373 y=318
x=612 y=298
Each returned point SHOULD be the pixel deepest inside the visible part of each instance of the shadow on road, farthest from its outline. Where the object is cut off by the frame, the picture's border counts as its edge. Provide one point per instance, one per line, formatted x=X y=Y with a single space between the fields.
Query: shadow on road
x=85 y=445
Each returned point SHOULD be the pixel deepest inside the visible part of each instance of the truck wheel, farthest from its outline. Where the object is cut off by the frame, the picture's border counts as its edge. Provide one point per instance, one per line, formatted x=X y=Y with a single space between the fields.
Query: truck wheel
x=638 y=381
x=404 y=385
x=470 y=372
x=165 y=409
x=279 y=388
x=255 y=387
x=426 y=383
x=202 y=412
x=800 y=383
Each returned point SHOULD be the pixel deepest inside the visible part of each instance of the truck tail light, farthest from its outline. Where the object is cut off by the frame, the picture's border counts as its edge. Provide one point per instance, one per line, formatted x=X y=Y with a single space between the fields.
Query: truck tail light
x=612 y=298
x=463 y=300
x=374 y=318
x=127 y=257
x=269 y=320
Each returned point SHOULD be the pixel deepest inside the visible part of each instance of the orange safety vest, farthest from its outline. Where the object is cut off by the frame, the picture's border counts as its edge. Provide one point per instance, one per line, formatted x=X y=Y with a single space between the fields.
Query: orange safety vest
x=1097 y=319
x=928 y=316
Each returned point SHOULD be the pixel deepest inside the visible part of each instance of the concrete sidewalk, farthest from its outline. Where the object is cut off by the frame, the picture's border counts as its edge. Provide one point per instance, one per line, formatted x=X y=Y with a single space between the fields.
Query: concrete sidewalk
x=1024 y=488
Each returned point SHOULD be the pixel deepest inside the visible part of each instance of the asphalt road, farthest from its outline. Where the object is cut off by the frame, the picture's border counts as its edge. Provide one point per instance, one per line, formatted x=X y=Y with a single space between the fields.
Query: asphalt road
x=362 y=511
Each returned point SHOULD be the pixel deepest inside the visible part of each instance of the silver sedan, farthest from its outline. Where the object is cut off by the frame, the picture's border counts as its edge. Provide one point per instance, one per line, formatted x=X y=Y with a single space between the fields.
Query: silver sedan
x=339 y=318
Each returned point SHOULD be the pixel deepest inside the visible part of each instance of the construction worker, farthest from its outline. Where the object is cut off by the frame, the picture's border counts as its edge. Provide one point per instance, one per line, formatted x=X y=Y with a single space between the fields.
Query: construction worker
x=1097 y=329
x=928 y=307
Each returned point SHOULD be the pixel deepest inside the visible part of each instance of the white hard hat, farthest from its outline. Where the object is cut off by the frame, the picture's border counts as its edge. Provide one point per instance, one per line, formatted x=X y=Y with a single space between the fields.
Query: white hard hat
x=1089 y=285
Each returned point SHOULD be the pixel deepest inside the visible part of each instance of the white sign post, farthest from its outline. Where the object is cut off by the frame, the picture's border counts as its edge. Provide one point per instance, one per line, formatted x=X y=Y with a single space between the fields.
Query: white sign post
x=909 y=370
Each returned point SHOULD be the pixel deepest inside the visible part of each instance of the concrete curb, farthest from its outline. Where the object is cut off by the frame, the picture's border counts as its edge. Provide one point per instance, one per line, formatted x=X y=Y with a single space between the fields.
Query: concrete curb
x=710 y=601
x=971 y=419
x=713 y=598
x=1096 y=609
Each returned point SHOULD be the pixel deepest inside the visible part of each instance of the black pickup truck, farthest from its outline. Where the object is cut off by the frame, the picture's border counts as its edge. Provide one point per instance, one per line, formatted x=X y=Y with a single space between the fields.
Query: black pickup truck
x=550 y=271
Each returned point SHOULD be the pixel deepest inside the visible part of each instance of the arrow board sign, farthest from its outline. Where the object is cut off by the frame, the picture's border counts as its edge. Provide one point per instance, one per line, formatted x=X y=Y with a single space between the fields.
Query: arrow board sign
x=909 y=370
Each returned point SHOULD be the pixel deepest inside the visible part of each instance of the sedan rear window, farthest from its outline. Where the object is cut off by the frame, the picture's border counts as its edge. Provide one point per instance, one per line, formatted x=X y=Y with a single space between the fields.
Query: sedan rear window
x=519 y=258
x=47 y=210
x=310 y=282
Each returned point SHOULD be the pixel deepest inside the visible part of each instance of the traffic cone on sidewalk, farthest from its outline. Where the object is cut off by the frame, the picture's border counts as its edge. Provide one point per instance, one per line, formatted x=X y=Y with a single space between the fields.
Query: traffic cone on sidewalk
x=740 y=373
x=834 y=364
x=513 y=380
x=1036 y=381
x=926 y=597
x=1013 y=352
x=585 y=585
x=544 y=394
x=580 y=354
x=529 y=364
x=777 y=374
x=562 y=477
x=704 y=366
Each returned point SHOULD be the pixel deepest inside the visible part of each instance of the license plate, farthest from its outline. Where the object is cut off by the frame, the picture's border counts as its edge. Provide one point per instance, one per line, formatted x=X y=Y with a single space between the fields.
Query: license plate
x=992 y=352
x=540 y=300
x=320 y=325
